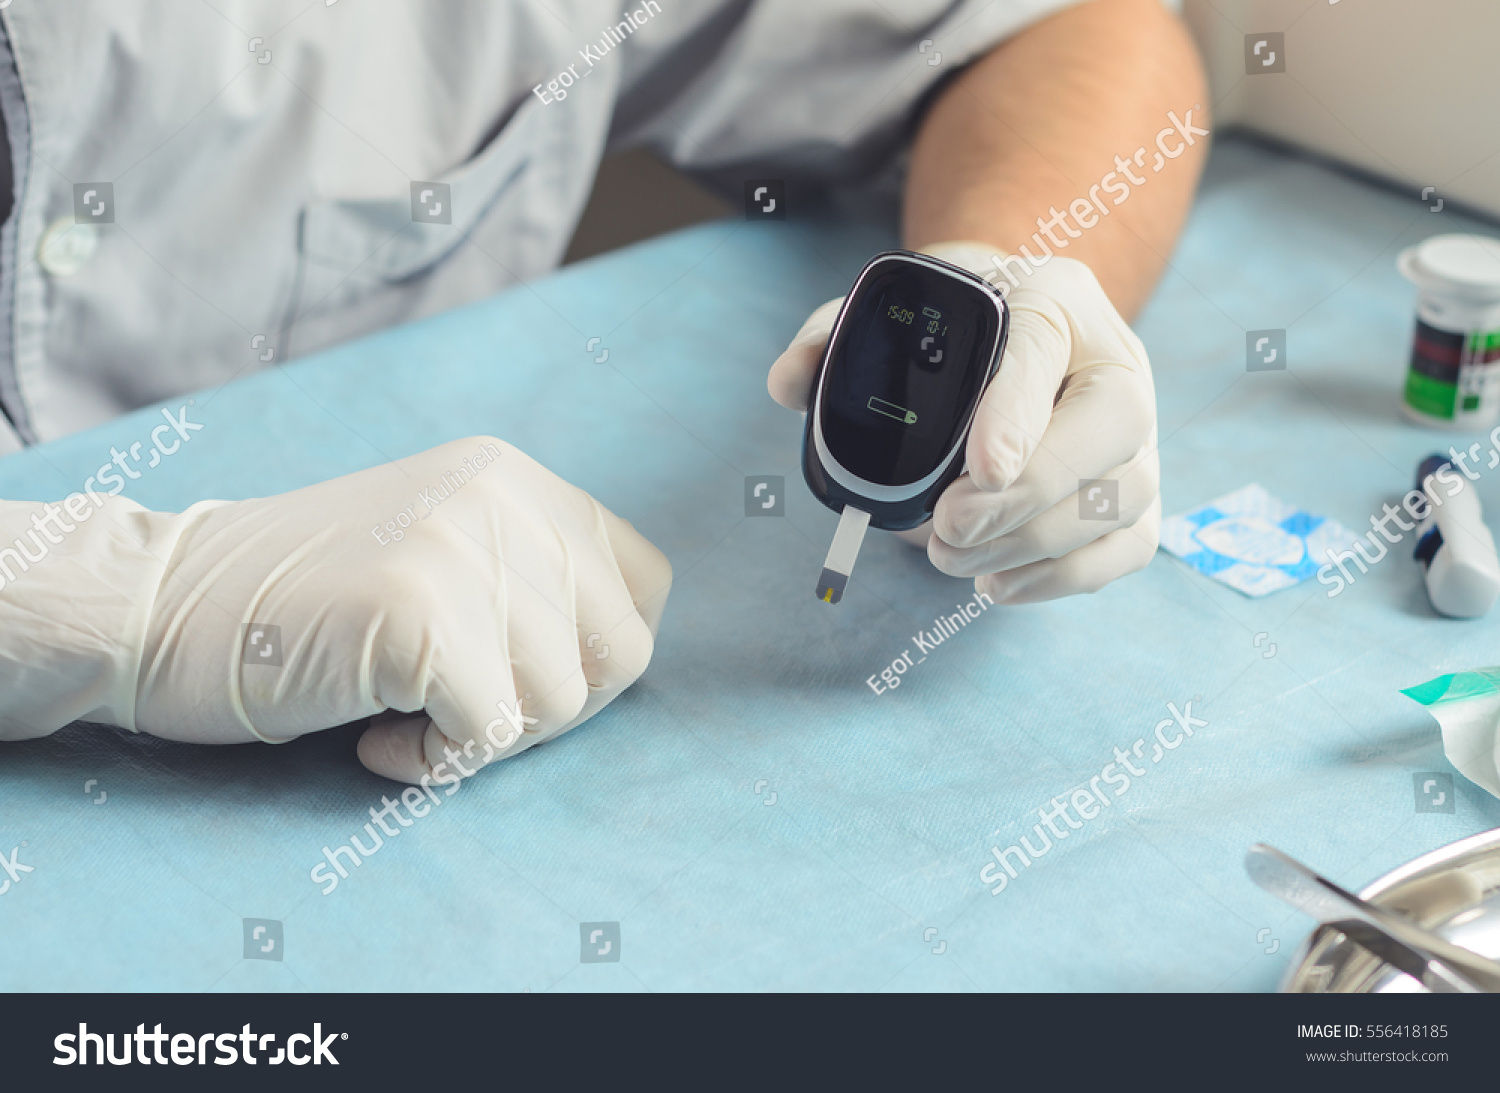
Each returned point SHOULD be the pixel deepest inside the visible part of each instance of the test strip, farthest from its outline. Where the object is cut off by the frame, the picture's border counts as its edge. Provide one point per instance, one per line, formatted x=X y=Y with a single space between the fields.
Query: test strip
x=842 y=554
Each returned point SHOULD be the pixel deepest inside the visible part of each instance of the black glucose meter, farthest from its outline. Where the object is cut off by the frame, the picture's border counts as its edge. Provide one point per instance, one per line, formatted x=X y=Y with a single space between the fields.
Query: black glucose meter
x=912 y=350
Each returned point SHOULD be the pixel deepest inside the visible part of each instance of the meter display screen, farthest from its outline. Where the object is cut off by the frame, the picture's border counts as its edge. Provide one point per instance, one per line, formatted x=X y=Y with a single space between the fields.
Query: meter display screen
x=910 y=360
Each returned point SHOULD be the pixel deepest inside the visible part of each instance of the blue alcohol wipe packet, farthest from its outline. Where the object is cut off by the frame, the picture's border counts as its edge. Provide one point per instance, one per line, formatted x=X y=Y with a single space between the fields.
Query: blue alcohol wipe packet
x=1252 y=542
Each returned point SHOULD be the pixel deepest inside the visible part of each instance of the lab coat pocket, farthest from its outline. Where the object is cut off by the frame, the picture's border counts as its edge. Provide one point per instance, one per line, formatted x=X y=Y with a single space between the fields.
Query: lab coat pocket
x=353 y=248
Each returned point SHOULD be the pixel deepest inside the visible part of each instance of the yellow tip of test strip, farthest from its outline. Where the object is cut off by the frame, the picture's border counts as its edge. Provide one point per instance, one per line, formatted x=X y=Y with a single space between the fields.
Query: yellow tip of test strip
x=843 y=552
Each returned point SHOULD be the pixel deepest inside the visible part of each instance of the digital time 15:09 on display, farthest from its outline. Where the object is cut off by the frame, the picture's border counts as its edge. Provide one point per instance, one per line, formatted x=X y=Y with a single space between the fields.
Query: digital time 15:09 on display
x=906 y=315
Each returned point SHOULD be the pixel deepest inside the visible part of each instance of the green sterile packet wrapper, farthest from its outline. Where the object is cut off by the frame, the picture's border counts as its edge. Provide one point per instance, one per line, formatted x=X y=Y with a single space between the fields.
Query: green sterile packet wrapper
x=1467 y=707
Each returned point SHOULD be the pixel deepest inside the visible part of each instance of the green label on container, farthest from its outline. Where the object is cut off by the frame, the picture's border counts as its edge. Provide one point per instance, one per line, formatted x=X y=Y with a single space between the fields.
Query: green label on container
x=1484 y=346
x=1430 y=396
x=1452 y=373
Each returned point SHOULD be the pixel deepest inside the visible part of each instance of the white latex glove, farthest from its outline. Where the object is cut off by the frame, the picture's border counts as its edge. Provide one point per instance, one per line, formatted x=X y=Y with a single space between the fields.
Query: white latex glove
x=1071 y=402
x=515 y=585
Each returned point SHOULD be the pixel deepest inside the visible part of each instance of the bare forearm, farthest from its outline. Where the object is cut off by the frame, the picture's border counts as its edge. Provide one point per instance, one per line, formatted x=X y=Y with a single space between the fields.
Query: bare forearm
x=1037 y=124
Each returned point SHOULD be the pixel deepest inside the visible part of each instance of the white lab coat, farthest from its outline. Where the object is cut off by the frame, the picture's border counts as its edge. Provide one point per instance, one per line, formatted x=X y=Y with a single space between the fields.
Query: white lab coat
x=261 y=157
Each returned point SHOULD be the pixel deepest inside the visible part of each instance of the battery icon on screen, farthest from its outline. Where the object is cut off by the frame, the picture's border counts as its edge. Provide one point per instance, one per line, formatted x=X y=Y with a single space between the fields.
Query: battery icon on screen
x=932 y=313
x=891 y=410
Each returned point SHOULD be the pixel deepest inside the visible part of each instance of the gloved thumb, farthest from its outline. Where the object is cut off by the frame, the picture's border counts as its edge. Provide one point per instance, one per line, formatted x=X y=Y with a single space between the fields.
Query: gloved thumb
x=1017 y=405
x=440 y=700
x=791 y=378
x=404 y=747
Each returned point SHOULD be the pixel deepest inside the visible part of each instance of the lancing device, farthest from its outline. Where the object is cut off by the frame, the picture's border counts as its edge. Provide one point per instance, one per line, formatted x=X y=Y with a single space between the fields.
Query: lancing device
x=1455 y=548
x=911 y=352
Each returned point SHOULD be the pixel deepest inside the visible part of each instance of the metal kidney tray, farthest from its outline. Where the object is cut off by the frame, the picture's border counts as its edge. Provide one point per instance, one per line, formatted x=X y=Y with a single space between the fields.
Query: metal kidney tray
x=1453 y=891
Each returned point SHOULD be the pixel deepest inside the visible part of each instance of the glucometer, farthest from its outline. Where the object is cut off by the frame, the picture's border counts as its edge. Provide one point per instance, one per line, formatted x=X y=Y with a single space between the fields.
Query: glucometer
x=913 y=347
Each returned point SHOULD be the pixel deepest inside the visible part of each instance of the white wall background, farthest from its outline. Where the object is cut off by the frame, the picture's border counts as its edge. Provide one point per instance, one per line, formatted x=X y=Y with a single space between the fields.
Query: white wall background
x=1409 y=89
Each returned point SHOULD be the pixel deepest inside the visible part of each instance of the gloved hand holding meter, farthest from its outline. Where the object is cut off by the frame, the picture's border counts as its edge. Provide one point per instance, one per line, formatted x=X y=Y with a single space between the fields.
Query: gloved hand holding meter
x=927 y=369
x=912 y=350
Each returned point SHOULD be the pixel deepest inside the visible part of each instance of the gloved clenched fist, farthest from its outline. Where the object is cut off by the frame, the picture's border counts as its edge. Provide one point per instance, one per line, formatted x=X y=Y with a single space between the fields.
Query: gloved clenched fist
x=468 y=583
x=1061 y=490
